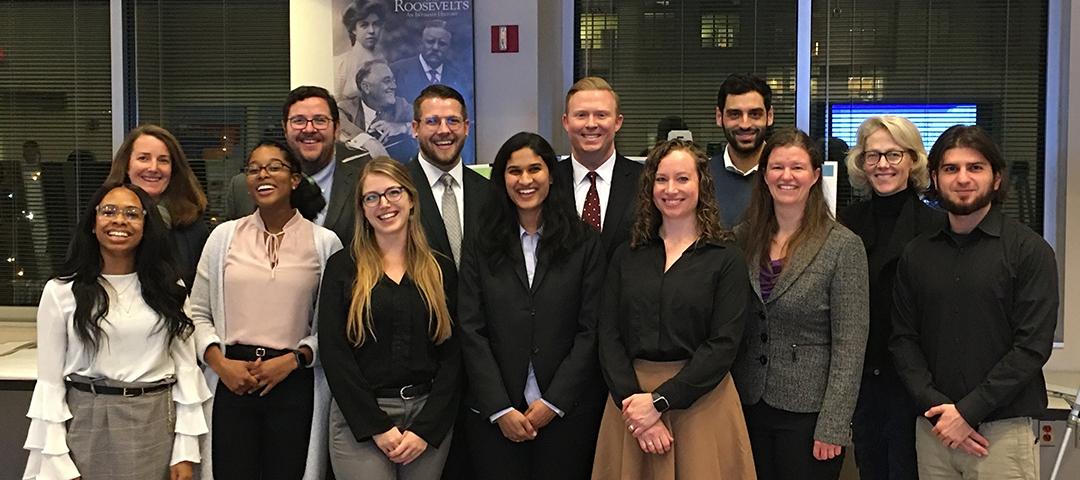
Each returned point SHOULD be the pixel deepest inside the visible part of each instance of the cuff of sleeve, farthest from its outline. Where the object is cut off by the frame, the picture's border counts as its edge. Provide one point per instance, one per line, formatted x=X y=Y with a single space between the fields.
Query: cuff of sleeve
x=553 y=408
x=973 y=409
x=671 y=394
x=829 y=434
x=201 y=344
x=500 y=413
x=311 y=342
x=49 y=403
x=42 y=467
x=185 y=449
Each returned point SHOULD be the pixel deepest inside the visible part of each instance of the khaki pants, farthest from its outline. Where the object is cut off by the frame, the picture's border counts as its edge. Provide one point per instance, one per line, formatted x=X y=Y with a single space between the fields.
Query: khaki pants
x=1013 y=453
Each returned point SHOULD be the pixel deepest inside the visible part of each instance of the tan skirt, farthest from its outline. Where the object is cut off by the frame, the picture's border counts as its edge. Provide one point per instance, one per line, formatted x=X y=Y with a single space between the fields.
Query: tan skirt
x=710 y=436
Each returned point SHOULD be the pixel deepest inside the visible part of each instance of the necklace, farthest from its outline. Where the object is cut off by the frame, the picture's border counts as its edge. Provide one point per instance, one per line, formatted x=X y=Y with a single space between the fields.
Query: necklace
x=122 y=290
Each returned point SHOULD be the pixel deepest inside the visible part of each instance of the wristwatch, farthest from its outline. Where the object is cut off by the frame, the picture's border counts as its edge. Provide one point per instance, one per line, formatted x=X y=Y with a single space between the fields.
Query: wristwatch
x=301 y=362
x=660 y=403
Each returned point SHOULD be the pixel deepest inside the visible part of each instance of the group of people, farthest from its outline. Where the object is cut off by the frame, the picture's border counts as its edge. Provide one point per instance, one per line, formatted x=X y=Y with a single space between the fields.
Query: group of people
x=590 y=317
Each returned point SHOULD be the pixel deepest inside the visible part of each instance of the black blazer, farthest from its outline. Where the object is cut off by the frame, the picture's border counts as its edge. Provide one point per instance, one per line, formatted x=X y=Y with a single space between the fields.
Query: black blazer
x=915 y=218
x=505 y=324
x=186 y=242
x=340 y=213
x=477 y=194
x=619 y=217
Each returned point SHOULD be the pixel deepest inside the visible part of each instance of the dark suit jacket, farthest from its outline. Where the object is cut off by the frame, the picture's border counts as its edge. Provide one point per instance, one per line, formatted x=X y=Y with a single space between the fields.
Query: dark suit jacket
x=506 y=324
x=619 y=217
x=915 y=218
x=477 y=194
x=187 y=243
x=340 y=213
x=412 y=79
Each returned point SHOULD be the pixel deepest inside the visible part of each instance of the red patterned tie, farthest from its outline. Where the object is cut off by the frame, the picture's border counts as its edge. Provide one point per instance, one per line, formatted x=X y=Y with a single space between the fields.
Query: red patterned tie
x=591 y=213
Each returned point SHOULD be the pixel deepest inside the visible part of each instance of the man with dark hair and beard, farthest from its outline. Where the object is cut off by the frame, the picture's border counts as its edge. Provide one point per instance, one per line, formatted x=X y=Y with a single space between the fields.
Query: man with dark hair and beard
x=744 y=111
x=975 y=307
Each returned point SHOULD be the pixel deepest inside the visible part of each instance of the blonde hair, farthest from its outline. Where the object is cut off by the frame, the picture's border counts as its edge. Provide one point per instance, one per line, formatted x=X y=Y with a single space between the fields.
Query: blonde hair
x=420 y=263
x=591 y=83
x=905 y=134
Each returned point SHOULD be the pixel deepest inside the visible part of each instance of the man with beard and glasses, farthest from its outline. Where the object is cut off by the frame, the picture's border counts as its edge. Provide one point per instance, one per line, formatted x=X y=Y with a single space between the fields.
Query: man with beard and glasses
x=744 y=111
x=452 y=199
x=603 y=182
x=975 y=307
x=310 y=120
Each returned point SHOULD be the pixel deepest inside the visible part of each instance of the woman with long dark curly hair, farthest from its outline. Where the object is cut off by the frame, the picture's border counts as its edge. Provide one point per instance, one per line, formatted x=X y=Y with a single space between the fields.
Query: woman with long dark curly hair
x=673 y=313
x=118 y=392
x=529 y=299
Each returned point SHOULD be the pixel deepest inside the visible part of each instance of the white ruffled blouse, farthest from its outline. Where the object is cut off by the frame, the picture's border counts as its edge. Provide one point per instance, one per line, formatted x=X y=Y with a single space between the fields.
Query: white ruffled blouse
x=133 y=349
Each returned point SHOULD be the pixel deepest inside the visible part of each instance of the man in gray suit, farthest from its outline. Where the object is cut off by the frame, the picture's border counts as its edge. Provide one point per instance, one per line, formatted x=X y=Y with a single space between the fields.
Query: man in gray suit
x=310 y=119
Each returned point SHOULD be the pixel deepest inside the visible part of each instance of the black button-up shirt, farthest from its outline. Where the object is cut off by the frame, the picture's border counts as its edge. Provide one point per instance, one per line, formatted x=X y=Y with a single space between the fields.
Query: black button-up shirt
x=974 y=318
x=695 y=311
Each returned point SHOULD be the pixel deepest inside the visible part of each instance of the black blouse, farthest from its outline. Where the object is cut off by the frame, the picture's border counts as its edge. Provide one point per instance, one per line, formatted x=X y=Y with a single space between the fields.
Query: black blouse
x=400 y=353
x=695 y=311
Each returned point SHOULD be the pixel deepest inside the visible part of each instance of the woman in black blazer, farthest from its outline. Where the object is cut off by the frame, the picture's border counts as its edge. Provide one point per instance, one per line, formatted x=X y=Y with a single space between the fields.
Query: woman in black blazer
x=887 y=166
x=529 y=295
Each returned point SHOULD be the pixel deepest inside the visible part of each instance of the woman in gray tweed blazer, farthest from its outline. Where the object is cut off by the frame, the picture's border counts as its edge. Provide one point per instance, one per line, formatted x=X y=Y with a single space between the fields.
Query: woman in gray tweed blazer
x=800 y=362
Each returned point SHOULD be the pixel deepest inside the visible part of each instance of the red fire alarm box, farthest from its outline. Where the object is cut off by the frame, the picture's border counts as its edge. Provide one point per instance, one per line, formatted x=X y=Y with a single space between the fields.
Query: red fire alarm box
x=504 y=39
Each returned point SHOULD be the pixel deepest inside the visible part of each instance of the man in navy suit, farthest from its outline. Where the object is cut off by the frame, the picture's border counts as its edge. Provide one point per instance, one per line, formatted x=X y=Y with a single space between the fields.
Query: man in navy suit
x=604 y=183
x=432 y=65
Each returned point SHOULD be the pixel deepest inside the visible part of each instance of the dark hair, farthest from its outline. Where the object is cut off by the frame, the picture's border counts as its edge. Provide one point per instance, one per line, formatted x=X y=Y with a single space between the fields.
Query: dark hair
x=738 y=84
x=975 y=138
x=305 y=92
x=439 y=91
x=647 y=217
x=307 y=196
x=184 y=197
x=365 y=70
x=563 y=229
x=160 y=280
x=761 y=214
x=360 y=10
x=437 y=24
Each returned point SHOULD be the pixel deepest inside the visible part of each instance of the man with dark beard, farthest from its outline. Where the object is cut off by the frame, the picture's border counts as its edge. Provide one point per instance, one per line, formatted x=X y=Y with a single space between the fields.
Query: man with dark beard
x=744 y=111
x=310 y=120
x=975 y=307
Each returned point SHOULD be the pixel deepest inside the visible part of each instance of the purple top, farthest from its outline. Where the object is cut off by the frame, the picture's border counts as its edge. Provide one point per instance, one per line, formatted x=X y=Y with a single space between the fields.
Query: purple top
x=768 y=276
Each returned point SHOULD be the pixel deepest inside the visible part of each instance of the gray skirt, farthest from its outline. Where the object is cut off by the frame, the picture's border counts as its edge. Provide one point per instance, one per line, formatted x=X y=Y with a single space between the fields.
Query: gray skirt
x=118 y=437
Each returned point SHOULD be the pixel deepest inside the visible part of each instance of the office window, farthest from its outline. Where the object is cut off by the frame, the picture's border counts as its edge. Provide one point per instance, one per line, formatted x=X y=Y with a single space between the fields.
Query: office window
x=669 y=57
x=55 y=132
x=983 y=56
x=214 y=74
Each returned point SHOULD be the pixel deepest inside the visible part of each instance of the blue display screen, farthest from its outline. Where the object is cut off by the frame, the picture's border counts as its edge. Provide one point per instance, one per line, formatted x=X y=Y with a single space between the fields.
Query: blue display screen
x=931 y=118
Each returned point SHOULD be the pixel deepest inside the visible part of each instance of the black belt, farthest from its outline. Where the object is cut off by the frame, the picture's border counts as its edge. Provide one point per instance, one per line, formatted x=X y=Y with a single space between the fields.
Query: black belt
x=125 y=391
x=252 y=352
x=407 y=392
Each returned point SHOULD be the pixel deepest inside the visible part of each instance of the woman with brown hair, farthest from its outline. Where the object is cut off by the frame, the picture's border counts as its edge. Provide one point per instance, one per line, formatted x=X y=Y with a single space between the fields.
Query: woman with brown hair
x=799 y=366
x=672 y=316
x=391 y=359
x=151 y=158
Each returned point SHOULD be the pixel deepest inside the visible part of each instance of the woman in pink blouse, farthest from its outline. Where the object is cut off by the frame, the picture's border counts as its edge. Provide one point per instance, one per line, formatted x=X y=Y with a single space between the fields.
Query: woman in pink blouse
x=118 y=392
x=253 y=304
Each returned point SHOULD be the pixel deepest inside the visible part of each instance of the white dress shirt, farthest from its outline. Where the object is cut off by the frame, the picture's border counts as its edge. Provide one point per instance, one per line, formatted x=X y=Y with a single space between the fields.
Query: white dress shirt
x=325 y=180
x=603 y=185
x=427 y=70
x=434 y=174
x=730 y=165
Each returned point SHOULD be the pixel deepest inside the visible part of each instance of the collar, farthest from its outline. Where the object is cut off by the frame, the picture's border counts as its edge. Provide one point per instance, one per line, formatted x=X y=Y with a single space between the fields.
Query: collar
x=427 y=68
x=730 y=165
x=288 y=225
x=434 y=173
x=522 y=232
x=325 y=174
x=604 y=172
x=369 y=113
x=990 y=225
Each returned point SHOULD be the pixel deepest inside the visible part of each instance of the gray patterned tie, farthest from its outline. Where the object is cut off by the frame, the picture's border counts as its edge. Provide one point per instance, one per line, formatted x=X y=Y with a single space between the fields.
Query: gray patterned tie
x=450 y=216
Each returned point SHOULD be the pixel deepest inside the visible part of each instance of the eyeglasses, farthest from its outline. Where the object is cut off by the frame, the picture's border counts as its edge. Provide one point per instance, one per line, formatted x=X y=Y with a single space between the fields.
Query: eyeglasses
x=452 y=122
x=872 y=157
x=392 y=194
x=110 y=211
x=252 y=169
x=320 y=122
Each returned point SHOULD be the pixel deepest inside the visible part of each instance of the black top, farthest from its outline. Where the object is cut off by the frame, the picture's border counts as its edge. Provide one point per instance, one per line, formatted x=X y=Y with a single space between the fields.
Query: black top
x=974 y=318
x=695 y=311
x=886 y=225
x=186 y=242
x=400 y=352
